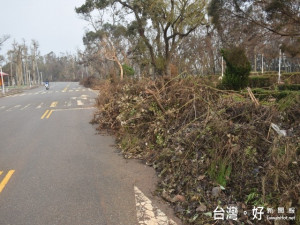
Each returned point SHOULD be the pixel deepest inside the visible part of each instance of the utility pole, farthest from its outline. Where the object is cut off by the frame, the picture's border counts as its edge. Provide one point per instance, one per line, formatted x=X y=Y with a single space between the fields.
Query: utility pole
x=37 y=69
x=29 y=78
x=222 y=66
x=279 y=72
x=255 y=63
x=2 y=81
x=262 y=63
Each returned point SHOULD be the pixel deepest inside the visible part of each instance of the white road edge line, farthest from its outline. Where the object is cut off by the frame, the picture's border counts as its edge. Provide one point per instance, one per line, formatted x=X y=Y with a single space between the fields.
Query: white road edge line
x=147 y=213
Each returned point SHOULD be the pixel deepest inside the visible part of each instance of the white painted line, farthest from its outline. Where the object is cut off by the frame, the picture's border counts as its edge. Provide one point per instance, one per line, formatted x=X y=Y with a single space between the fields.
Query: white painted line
x=79 y=102
x=84 y=97
x=57 y=110
x=25 y=107
x=147 y=213
x=40 y=105
x=70 y=90
x=2 y=107
x=15 y=107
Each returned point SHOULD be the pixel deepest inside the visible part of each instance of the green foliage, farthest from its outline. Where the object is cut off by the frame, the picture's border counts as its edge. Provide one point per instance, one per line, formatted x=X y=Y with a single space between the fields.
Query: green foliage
x=220 y=171
x=262 y=94
x=237 y=70
x=214 y=11
x=172 y=20
x=128 y=70
x=291 y=87
x=254 y=198
x=259 y=81
x=90 y=5
x=289 y=101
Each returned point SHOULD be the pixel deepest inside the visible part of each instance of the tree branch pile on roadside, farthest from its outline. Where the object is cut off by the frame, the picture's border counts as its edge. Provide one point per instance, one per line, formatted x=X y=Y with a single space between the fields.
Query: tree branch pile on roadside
x=209 y=147
x=90 y=82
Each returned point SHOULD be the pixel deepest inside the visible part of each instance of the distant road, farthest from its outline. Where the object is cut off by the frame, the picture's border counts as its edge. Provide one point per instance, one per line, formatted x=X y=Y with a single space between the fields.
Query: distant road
x=55 y=169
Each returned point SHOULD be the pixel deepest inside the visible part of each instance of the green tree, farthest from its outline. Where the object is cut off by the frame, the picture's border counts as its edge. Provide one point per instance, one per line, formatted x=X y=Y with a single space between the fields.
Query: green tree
x=259 y=18
x=237 y=70
x=161 y=24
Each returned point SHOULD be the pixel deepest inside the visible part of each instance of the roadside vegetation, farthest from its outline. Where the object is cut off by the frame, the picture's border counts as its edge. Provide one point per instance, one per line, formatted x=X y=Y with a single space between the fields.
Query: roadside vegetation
x=209 y=146
x=213 y=105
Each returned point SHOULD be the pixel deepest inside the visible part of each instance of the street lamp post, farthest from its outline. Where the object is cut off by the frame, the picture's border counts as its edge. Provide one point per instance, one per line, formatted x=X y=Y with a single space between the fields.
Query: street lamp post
x=29 y=78
x=2 y=82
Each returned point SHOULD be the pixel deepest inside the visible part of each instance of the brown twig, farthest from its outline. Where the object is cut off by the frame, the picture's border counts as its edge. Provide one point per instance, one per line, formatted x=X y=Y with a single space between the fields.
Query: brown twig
x=252 y=97
x=148 y=91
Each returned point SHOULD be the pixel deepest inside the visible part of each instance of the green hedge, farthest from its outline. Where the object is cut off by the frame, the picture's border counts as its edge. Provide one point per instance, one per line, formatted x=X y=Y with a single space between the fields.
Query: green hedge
x=263 y=94
x=291 y=78
x=290 y=87
x=267 y=80
x=259 y=81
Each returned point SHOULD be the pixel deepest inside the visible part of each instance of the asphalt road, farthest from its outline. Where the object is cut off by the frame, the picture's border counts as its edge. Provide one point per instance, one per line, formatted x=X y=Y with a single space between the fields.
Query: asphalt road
x=55 y=169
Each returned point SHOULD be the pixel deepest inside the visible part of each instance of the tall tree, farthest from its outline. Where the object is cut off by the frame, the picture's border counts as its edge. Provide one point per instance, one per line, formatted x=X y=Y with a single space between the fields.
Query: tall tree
x=259 y=18
x=34 y=55
x=18 y=51
x=161 y=24
x=3 y=39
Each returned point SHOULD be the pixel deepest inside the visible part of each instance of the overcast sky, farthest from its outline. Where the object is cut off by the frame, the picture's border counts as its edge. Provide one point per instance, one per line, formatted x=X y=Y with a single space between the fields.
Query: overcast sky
x=53 y=23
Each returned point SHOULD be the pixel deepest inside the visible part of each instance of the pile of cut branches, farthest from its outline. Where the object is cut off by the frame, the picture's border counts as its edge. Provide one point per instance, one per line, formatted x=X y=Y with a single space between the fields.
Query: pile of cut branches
x=90 y=82
x=209 y=147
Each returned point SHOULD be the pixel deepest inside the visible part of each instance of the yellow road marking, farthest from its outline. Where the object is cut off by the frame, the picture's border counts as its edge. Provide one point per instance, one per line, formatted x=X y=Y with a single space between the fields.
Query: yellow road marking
x=43 y=116
x=51 y=111
x=6 y=179
x=53 y=104
x=1 y=172
x=66 y=88
x=47 y=114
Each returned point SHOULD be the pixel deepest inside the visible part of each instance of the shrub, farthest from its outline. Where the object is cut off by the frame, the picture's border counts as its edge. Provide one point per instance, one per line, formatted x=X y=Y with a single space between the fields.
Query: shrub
x=290 y=87
x=128 y=70
x=259 y=81
x=262 y=94
x=237 y=70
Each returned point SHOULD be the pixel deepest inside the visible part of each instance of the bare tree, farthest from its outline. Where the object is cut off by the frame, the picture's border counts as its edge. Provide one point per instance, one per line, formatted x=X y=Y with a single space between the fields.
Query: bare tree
x=3 y=39
x=34 y=53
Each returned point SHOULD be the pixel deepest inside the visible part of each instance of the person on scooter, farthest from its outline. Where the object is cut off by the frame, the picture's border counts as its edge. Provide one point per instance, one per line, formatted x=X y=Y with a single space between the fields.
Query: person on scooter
x=47 y=85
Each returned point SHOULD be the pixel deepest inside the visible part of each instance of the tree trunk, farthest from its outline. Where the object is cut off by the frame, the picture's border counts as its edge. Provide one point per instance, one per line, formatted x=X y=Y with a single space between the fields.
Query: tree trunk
x=19 y=67
x=120 y=67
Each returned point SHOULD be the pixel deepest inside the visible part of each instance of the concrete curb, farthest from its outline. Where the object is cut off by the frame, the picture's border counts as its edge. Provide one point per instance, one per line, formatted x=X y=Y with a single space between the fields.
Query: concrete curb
x=15 y=91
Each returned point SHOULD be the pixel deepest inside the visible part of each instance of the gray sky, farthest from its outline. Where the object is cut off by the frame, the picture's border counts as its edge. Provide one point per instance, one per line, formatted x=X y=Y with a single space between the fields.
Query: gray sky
x=53 y=23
